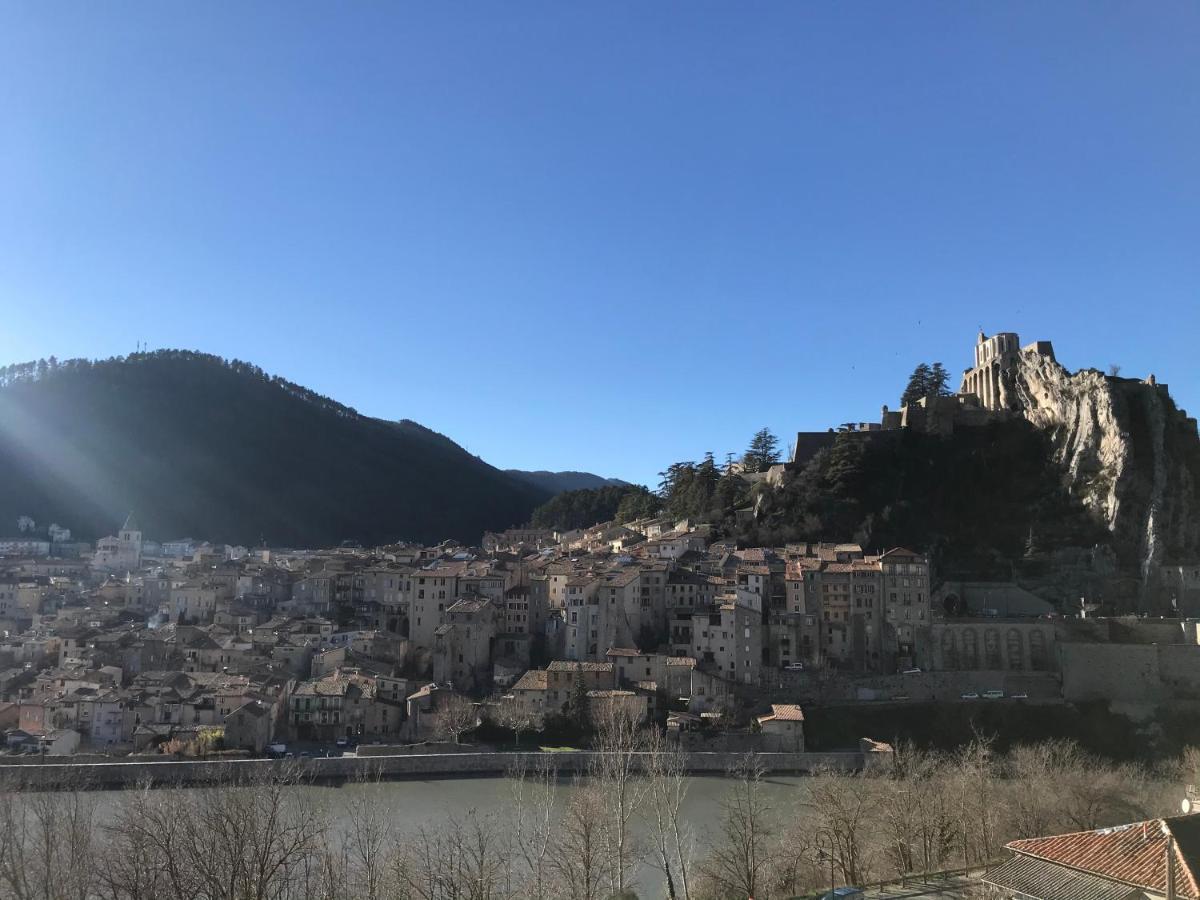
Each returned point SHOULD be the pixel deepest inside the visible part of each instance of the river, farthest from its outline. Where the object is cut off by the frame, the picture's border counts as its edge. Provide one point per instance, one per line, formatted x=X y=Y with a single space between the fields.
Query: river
x=430 y=803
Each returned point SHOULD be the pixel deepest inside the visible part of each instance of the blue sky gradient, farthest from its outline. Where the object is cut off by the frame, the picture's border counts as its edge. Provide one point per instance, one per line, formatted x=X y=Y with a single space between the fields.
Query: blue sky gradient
x=603 y=236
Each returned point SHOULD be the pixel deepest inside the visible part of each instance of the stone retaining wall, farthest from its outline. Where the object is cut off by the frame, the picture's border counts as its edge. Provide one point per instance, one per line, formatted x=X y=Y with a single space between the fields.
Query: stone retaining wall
x=433 y=765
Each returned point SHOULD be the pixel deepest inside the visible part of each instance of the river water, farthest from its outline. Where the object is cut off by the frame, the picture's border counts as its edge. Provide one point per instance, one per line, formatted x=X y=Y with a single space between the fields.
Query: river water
x=431 y=803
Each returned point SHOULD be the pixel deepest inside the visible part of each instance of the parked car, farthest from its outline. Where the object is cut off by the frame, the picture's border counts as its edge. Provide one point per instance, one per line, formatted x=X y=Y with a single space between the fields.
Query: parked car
x=993 y=695
x=1020 y=696
x=970 y=695
x=912 y=671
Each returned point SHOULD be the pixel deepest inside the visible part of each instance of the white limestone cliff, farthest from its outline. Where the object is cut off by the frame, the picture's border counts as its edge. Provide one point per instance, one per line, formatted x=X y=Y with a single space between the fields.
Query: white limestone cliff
x=1128 y=454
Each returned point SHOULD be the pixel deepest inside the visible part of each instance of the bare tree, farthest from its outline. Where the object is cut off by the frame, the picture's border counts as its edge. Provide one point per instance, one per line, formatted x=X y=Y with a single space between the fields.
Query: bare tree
x=1032 y=808
x=739 y=859
x=916 y=827
x=616 y=773
x=134 y=868
x=532 y=826
x=972 y=779
x=47 y=852
x=367 y=838
x=579 y=856
x=841 y=812
x=464 y=859
x=516 y=718
x=248 y=841
x=455 y=716
x=672 y=839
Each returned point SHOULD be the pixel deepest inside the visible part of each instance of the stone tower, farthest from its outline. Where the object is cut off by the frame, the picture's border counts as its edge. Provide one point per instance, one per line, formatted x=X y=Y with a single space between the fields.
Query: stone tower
x=992 y=355
x=130 y=538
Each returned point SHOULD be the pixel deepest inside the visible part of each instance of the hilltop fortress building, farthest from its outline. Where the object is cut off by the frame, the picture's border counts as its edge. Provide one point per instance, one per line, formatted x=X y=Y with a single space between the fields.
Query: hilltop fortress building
x=992 y=356
x=981 y=398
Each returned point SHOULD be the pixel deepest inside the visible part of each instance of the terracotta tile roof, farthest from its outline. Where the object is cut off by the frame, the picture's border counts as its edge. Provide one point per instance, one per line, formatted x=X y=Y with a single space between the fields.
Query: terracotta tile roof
x=533 y=680
x=1133 y=854
x=623 y=651
x=784 y=712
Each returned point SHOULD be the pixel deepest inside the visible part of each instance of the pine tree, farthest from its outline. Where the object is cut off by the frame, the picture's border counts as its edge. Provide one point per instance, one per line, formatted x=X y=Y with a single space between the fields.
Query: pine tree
x=939 y=381
x=580 y=703
x=763 y=451
x=919 y=384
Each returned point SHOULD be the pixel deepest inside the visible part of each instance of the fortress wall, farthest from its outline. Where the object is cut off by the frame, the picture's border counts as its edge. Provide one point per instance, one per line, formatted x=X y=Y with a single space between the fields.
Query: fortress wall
x=1125 y=673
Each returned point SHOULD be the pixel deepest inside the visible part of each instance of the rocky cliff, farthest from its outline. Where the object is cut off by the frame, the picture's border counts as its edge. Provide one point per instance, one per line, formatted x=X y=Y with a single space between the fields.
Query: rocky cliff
x=1127 y=453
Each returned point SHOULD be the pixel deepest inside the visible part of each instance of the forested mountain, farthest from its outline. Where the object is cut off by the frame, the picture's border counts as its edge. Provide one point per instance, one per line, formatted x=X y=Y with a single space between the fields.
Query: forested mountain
x=219 y=450
x=584 y=508
x=557 y=482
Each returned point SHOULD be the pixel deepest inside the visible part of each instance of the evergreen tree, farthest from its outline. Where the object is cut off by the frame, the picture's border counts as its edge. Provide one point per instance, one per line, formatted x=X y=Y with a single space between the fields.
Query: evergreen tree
x=670 y=479
x=637 y=503
x=918 y=384
x=939 y=381
x=763 y=451
x=579 y=704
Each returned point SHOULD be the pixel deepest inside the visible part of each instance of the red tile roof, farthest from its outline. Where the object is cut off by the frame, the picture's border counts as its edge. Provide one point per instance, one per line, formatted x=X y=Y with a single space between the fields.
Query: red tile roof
x=1133 y=854
x=783 y=712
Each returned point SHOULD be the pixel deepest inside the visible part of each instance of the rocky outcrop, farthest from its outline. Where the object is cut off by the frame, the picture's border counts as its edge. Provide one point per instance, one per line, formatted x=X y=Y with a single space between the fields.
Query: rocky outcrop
x=1127 y=453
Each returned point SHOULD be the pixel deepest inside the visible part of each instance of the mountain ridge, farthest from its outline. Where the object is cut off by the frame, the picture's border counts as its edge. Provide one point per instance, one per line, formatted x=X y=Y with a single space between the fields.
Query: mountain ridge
x=569 y=480
x=201 y=445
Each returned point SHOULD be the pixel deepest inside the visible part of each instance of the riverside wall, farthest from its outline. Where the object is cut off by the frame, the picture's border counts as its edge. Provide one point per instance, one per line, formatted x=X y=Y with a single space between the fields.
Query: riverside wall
x=56 y=775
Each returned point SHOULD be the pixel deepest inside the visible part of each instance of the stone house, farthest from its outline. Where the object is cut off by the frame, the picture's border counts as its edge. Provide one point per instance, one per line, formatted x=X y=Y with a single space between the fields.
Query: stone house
x=463 y=643
x=582 y=616
x=727 y=640
x=249 y=727
x=783 y=728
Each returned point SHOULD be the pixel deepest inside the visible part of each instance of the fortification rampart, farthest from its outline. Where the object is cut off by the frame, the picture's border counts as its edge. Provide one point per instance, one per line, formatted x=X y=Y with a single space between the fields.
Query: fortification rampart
x=1138 y=675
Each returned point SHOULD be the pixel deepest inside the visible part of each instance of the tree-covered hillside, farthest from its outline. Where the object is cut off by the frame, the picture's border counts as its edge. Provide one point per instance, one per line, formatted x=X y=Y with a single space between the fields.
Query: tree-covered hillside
x=219 y=450
x=978 y=500
x=584 y=508
x=557 y=482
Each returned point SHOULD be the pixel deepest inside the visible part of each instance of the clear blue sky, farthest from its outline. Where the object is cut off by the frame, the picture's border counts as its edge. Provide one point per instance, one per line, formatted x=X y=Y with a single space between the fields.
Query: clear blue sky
x=603 y=236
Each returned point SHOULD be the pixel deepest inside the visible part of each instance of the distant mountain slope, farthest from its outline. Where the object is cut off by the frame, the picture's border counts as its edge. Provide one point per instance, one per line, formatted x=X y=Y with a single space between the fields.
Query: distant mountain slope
x=557 y=482
x=198 y=446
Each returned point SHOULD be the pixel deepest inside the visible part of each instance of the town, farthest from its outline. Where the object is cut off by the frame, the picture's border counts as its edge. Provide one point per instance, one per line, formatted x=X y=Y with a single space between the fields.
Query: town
x=184 y=647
